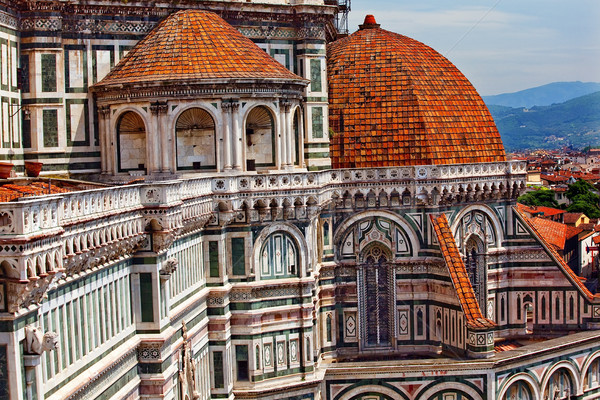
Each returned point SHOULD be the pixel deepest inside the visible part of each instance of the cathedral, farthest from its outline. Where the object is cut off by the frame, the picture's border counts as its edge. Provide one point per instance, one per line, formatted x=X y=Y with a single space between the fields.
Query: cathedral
x=240 y=200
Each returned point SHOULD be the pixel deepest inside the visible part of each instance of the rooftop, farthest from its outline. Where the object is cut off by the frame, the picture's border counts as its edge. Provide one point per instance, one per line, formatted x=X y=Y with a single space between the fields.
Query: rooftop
x=395 y=101
x=192 y=46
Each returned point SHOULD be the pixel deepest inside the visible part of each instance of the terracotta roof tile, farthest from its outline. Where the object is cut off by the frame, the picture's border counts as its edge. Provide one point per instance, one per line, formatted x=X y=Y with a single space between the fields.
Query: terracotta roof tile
x=540 y=211
x=395 y=101
x=554 y=232
x=574 y=278
x=11 y=191
x=571 y=218
x=458 y=274
x=191 y=46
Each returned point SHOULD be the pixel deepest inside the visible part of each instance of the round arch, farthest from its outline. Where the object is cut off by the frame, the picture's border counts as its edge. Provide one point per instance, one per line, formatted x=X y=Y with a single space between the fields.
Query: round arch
x=439 y=388
x=496 y=223
x=573 y=373
x=522 y=376
x=294 y=233
x=131 y=135
x=353 y=392
x=412 y=236
x=195 y=130
x=260 y=132
x=586 y=366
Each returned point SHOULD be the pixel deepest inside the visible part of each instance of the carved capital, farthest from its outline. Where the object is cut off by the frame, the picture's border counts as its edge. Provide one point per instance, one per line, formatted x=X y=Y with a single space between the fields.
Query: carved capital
x=159 y=107
x=226 y=107
x=104 y=111
x=285 y=105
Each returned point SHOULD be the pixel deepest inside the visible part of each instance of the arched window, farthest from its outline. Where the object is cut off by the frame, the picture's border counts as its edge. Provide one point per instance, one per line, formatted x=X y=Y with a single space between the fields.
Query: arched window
x=376 y=297
x=502 y=309
x=196 y=145
x=279 y=257
x=571 y=308
x=559 y=385
x=543 y=307
x=328 y=328
x=419 y=322
x=556 y=308
x=519 y=310
x=518 y=390
x=131 y=142
x=260 y=138
x=308 y=354
x=592 y=377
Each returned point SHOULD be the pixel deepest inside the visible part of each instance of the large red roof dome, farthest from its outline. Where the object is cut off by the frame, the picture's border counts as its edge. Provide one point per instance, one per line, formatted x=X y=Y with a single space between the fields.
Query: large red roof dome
x=394 y=101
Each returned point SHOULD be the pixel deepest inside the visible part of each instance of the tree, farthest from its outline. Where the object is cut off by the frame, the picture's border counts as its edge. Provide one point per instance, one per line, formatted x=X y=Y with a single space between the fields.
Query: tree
x=580 y=187
x=541 y=197
x=583 y=199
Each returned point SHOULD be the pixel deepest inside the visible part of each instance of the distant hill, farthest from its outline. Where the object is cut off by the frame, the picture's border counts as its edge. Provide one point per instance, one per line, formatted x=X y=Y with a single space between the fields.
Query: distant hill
x=552 y=93
x=575 y=122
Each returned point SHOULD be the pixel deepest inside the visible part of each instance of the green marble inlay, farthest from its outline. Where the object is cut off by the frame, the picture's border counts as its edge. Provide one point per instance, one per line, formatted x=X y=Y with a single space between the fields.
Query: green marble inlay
x=50 y=128
x=238 y=259
x=48 y=72
x=317 y=122
x=213 y=258
x=146 y=297
x=315 y=76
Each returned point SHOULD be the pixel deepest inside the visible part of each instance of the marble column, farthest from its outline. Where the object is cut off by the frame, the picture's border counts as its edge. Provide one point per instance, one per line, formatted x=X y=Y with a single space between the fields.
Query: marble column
x=104 y=115
x=301 y=136
x=290 y=138
x=154 y=140
x=226 y=107
x=284 y=136
x=237 y=137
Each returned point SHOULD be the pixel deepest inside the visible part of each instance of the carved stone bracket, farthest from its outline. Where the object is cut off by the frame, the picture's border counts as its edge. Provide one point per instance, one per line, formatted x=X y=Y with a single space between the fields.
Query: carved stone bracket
x=37 y=342
x=23 y=293
x=96 y=257
x=162 y=240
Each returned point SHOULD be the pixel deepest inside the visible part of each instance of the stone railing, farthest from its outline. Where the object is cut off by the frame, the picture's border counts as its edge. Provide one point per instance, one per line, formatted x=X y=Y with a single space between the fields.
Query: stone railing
x=40 y=215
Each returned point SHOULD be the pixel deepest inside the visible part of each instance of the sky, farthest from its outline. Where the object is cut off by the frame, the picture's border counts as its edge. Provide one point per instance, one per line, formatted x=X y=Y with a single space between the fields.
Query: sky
x=501 y=46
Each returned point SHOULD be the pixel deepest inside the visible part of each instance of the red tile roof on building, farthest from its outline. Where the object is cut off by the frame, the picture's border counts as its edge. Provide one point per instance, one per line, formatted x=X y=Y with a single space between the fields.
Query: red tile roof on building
x=12 y=191
x=395 y=101
x=554 y=232
x=551 y=250
x=458 y=274
x=572 y=218
x=554 y=178
x=540 y=211
x=191 y=46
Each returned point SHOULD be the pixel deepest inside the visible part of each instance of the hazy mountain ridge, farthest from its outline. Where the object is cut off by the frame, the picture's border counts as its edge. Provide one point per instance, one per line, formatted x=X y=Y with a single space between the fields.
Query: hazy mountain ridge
x=575 y=122
x=552 y=93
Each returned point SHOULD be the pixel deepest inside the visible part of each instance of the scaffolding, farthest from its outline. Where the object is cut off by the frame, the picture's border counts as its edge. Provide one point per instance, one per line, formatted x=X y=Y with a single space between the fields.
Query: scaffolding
x=341 y=18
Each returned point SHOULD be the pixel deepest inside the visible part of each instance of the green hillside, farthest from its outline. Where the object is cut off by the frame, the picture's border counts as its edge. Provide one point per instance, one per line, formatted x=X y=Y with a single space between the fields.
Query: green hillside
x=573 y=123
x=552 y=93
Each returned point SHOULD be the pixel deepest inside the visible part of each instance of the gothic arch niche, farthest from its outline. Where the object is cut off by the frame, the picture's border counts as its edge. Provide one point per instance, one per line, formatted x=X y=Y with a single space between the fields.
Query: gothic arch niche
x=376 y=297
x=519 y=390
x=474 y=253
x=260 y=137
x=195 y=137
x=560 y=385
x=279 y=257
x=131 y=142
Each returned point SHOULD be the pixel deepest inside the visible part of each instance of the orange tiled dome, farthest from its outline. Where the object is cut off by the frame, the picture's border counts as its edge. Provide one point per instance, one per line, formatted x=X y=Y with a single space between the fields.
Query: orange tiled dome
x=395 y=101
x=192 y=46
